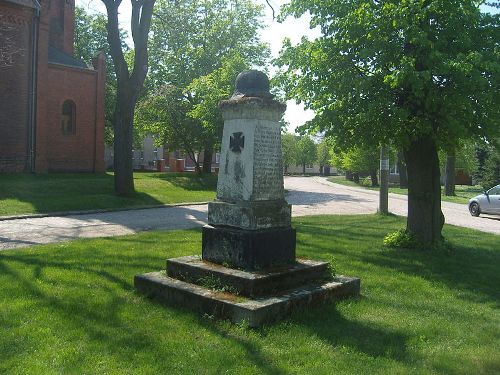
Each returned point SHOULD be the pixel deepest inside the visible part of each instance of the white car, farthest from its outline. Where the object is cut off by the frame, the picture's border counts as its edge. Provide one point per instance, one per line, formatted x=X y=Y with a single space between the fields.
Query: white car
x=486 y=203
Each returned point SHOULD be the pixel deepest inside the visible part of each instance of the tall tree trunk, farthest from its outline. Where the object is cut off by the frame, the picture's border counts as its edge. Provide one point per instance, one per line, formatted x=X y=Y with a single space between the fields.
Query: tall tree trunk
x=129 y=84
x=403 y=177
x=449 y=174
x=425 y=219
x=303 y=168
x=207 y=160
x=122 y=162
x=373 y=177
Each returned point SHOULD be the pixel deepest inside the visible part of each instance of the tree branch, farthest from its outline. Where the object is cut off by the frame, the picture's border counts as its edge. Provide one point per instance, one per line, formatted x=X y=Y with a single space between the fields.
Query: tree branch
x=114 y=40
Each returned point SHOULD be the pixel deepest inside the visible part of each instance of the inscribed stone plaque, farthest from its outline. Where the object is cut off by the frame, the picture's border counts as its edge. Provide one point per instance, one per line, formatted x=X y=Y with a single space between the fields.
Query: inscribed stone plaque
x=268 y=175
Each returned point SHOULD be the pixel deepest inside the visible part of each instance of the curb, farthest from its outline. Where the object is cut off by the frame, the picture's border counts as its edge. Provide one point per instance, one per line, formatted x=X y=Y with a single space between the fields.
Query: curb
x=99 y=211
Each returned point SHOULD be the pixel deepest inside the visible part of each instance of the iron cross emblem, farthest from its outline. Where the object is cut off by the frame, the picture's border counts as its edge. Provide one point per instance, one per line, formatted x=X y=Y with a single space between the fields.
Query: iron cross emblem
x=237 y=142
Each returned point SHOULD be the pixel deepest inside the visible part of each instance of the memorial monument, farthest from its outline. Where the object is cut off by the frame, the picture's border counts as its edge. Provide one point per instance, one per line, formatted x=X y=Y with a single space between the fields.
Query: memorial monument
x=248 y=269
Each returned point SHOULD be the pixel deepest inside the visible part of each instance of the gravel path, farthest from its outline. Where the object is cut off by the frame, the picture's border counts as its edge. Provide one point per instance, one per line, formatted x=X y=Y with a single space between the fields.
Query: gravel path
x=308 y=195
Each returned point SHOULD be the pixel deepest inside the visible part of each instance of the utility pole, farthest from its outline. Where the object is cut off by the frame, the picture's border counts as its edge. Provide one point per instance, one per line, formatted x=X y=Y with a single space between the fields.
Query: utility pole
x=383 y=206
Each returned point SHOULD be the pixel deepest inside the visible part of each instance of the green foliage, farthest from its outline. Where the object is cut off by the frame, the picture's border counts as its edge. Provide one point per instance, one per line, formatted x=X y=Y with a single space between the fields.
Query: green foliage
x=289 y=149
x=396 y=70
x=486 y=169
x=404 y=239
x=164 y=113
x=192 y=38
x=491 y=175
x=215 y=283
x=401 y=239
x=198 y=48
x=332 y=266
x=207 y=91
x=306 y=151
x=357 y=159
x=464 y=154
x=323 y=152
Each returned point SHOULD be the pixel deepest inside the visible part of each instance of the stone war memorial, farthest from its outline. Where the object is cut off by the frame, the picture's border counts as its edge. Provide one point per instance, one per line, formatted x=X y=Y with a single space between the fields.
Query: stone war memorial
x=248 y=270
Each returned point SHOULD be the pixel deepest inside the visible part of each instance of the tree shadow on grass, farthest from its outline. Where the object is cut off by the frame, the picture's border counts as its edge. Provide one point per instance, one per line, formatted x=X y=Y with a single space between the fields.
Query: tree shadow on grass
x=100 y=319
x=190 y=181
x=327 y=323
x=471 y=265
x=60 y=192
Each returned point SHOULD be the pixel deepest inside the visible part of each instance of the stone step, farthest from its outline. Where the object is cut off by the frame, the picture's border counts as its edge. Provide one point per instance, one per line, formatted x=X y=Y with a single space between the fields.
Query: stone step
x=239 y=309
x=249 y=284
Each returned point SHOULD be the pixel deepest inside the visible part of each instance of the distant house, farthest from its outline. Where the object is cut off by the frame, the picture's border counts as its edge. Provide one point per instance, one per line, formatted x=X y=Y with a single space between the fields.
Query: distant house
x=151 y=157
x=51 y=104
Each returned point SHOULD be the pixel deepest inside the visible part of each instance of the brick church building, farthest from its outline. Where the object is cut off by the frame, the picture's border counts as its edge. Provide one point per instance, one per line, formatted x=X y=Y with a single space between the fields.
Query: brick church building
x=51 y=104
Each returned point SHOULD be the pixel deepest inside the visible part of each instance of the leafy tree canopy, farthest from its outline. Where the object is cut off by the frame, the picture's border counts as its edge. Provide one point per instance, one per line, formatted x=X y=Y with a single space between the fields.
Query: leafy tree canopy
x=397 y=69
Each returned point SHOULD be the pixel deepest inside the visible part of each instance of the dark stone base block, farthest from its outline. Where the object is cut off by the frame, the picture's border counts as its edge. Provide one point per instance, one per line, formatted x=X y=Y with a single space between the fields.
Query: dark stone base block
x=249 y=284
x=249 y=249
x=229 y=306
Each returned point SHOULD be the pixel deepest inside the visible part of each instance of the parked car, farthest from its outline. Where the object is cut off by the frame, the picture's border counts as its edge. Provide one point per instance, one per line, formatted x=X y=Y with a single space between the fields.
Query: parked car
x=486 y=203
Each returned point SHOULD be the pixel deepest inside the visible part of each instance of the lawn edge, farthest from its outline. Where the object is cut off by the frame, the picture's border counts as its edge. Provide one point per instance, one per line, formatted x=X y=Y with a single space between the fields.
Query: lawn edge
x=97 y=211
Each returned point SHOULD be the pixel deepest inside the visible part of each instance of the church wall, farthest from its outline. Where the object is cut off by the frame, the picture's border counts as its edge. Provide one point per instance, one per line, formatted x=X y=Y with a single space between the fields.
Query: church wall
x=15 y=73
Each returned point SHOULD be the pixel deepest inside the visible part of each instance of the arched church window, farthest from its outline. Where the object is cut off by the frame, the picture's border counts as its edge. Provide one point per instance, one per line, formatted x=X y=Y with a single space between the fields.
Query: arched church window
x=68 y=117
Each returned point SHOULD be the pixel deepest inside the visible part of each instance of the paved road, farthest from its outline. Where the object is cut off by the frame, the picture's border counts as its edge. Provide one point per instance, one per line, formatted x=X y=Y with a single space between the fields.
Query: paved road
x=308 y=195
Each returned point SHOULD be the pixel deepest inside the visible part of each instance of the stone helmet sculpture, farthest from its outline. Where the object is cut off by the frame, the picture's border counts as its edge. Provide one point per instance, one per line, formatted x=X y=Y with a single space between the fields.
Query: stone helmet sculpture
x=252 y=84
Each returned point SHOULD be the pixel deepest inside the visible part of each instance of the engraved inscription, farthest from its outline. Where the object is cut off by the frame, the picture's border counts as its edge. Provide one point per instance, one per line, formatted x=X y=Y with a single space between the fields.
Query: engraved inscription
x=268 y=180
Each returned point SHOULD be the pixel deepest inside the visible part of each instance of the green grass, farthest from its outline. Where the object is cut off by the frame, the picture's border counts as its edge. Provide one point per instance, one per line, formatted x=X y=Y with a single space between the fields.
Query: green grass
x=28 y=193
x=462 y=192
x=71 y=309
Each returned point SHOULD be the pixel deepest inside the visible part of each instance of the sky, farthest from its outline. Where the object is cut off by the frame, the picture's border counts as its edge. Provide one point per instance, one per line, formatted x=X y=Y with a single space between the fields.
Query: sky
x=274 y=33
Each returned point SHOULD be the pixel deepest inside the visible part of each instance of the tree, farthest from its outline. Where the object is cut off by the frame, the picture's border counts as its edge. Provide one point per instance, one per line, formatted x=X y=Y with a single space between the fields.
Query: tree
x=206 y=92
x=288 y=149
x=165 y=113
x=417 y=73
x=491 y=175
x=90 y=39
x=129 y=84
x=306 y=152
x=486 y=169
x=200 y=47
x=403 y=178
x=449 y=173
x=323 y=150
x=358 y=160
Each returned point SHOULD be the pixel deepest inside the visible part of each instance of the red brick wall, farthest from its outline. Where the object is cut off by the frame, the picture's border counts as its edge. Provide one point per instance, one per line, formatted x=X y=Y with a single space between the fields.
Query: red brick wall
x=77 y=151
x=55 y=151
x=60 y=16
x=15 y=42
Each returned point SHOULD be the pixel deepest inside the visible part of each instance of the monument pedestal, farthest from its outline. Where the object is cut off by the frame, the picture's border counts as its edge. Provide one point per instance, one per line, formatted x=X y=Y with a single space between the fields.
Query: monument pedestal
x=253 y=297
x=249 y=249
x=248 y=270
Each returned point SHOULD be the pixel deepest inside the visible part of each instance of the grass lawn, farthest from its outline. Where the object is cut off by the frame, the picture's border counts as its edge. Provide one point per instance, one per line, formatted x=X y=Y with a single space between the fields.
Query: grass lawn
x=71 y=309
x=462 y=192
x=29 y=193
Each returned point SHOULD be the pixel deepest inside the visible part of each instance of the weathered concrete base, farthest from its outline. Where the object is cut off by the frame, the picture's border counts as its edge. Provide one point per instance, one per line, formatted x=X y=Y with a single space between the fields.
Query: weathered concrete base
x=250 y=214
x=250 y=284
x=249 y=249
x=236 y=307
